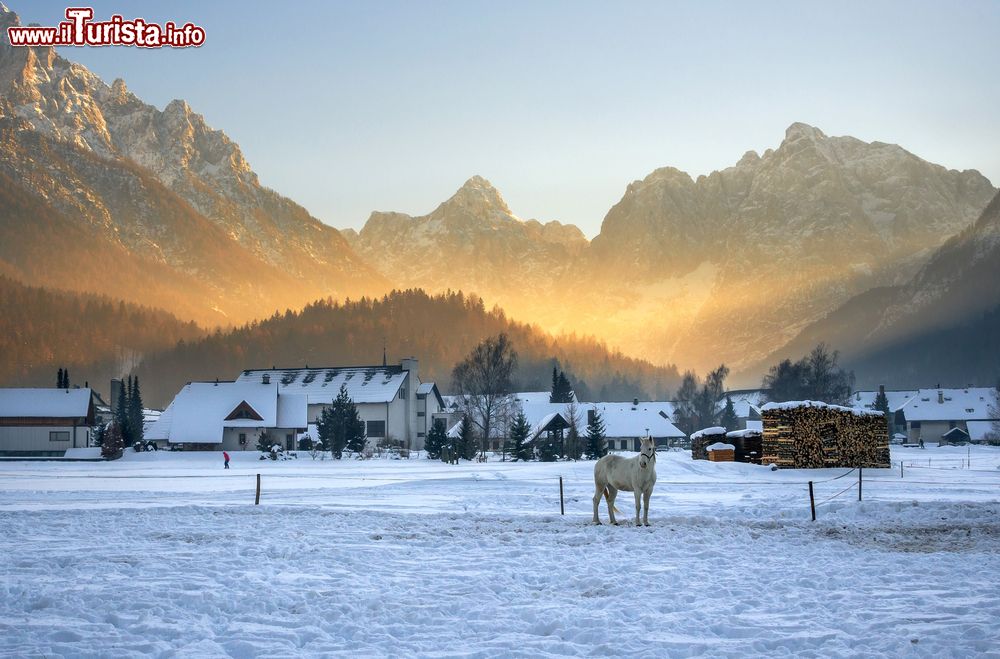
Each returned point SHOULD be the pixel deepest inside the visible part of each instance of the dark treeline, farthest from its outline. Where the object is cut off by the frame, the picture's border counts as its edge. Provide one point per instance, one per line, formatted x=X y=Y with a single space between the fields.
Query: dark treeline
x=93 y=337
x=439 y=330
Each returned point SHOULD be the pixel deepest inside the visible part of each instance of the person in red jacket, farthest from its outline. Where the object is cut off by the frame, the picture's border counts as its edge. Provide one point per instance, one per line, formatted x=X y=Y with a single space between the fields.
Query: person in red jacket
x=225 y=456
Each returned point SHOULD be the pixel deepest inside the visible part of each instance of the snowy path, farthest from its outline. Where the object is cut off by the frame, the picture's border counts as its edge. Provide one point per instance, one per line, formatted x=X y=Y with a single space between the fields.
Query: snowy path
x=333 y=564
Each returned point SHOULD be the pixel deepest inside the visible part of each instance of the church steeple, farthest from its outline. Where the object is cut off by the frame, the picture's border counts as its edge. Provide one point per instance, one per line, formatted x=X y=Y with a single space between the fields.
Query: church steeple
x=384 y=362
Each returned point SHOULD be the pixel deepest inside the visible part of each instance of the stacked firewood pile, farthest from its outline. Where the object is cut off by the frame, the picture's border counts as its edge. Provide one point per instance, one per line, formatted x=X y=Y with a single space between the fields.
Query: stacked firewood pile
x=701 y=439
x=747 y=443
x=812 y=435
x=721 y=452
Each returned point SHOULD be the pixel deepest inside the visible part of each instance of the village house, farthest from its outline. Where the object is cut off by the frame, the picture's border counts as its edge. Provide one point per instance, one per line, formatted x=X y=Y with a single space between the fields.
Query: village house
x=287 y=402
x=44 y=422
x=944 y=415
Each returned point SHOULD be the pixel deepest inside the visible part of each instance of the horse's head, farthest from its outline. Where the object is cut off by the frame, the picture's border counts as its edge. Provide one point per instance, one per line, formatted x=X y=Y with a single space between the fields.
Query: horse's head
x=647 y=451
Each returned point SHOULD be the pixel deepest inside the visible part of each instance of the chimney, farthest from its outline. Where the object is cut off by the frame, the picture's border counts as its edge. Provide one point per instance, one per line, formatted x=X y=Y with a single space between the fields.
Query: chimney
x=116 y=388
x=881 y=389
x=940 y=397
x=635 y=402
x=266 y=378
x=411 y=364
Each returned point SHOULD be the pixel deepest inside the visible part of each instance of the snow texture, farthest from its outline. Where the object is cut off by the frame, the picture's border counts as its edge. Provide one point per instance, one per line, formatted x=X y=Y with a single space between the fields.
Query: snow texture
x=792 y=404
x=163 y=554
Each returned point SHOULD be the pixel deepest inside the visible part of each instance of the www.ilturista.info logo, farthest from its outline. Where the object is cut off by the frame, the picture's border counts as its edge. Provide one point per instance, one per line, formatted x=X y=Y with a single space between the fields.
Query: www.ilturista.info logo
x=79 y=30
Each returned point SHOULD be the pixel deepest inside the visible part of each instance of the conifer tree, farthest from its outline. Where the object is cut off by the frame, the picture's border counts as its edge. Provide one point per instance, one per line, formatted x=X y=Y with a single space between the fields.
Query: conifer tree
x=122 y=415
x=465 y=443
x=355 y=436
x=436 y=439
x=59 y=379
x=135 y=416
x=264 y=442
x=518 y=442
x=597 y=444
x=65 y=378
x=573 y=444
x=113 y=442
x=881 y=404
x=729 y=420
x=548 y=447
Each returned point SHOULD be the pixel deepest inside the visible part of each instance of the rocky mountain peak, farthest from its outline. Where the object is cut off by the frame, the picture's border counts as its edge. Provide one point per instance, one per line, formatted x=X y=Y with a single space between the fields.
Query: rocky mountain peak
x=476 y=197
x=799 y=130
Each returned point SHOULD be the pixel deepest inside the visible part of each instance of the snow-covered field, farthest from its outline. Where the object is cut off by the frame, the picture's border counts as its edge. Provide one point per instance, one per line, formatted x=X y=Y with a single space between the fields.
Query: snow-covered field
x=165 y=554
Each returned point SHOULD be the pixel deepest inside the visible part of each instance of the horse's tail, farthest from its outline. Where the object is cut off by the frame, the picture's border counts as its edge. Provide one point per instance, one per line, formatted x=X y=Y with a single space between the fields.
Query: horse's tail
x=607 y=497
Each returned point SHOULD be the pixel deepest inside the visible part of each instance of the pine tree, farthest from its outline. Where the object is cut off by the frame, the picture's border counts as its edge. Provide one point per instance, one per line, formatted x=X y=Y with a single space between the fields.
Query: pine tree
x=465 y=444
x=355 y=436
x=122 y=415
x=518 y=443
x=436 y=440
x=264 y=443
x=113 y=442
x=597 y=445
x=135 y=416
x=100 y=432
x=65 y=378
x=562 y=392
x=729 y=420
x=548 y=447
x=555 y=385
x=330 y=428
x=59 y=379
x=881 y=404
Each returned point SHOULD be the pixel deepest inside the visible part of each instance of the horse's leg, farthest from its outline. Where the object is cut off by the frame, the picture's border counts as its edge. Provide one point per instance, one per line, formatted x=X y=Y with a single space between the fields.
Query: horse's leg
x=645 y=505
x=638 y=493
x=611 y=493
x=597 y=500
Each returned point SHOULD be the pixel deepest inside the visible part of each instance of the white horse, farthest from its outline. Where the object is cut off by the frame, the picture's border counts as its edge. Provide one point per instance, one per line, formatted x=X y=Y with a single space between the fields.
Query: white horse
x=637 y=475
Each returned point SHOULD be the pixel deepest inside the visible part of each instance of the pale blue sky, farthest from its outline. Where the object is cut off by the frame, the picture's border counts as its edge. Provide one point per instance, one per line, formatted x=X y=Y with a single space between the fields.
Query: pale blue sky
x=353 y=107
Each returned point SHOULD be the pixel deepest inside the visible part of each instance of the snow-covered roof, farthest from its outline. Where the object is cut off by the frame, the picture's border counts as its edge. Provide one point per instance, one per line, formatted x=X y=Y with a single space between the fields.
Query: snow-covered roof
x=427 y=388
x=292 y=411
x=792 y=404
x=201 y=410
x=745 y=401
x=705 y=432
x=980 y=430
x=365 y=384
x=974 y=403
x=45 y=403
x=626 y=420
x=749 y=432
x=539 y=396
x=896 y=398
x=720 y=446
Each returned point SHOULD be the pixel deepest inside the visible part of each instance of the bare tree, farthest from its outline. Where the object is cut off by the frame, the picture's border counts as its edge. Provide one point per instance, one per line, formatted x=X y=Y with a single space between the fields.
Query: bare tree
x=483 y=382
x=574 y=447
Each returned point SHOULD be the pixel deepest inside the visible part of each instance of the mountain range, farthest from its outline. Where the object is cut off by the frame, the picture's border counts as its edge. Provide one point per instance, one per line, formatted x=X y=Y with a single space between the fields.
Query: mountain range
x=860 y=244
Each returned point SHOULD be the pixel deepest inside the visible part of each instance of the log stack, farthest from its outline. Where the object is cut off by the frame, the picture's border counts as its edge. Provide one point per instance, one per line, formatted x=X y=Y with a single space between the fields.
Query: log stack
x=747 y=443
x=702 y=438
x=814 y=435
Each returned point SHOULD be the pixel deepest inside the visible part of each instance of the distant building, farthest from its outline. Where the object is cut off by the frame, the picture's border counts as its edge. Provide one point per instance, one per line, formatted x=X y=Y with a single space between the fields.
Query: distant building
x=390 y=399
x=747 y=404
x=865 y=400
x=624 y=422
x=944 y=415
x=44 y=422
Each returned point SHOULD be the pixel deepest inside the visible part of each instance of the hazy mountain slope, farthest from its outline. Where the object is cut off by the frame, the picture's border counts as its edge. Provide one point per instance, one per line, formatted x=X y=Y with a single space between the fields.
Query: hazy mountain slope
x=789 y=236
x=942 y=323
x=472 y=241
x=43 y=330
x=439 y=330
x=277 y=254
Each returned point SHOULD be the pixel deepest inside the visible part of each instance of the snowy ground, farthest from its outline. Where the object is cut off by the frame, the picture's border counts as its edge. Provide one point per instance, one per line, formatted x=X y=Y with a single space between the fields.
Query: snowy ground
x=165 y=554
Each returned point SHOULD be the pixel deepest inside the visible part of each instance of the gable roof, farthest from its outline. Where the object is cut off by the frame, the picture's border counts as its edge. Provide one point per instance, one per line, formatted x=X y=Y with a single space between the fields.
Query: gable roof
x=45 y=403
x=198 y=414
x=974 y=403
x=365 y=384
x=896 y=398
x=430 y=388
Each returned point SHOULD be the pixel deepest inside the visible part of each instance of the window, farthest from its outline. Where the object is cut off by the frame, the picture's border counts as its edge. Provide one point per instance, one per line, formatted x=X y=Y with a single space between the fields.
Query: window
x=420 y=434
x=402 y=393
x=914 y=424
x=243 y=439
x=59 y=436
x=289 y=442
x=375 y=428
x=420 y=414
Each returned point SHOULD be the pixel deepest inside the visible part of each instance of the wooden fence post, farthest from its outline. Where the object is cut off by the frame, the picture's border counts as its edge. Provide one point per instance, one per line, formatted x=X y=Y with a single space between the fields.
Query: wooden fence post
x=562 y=505
x=860 y=478
x=900 y=468
x=812 y=501
x=256 y=500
